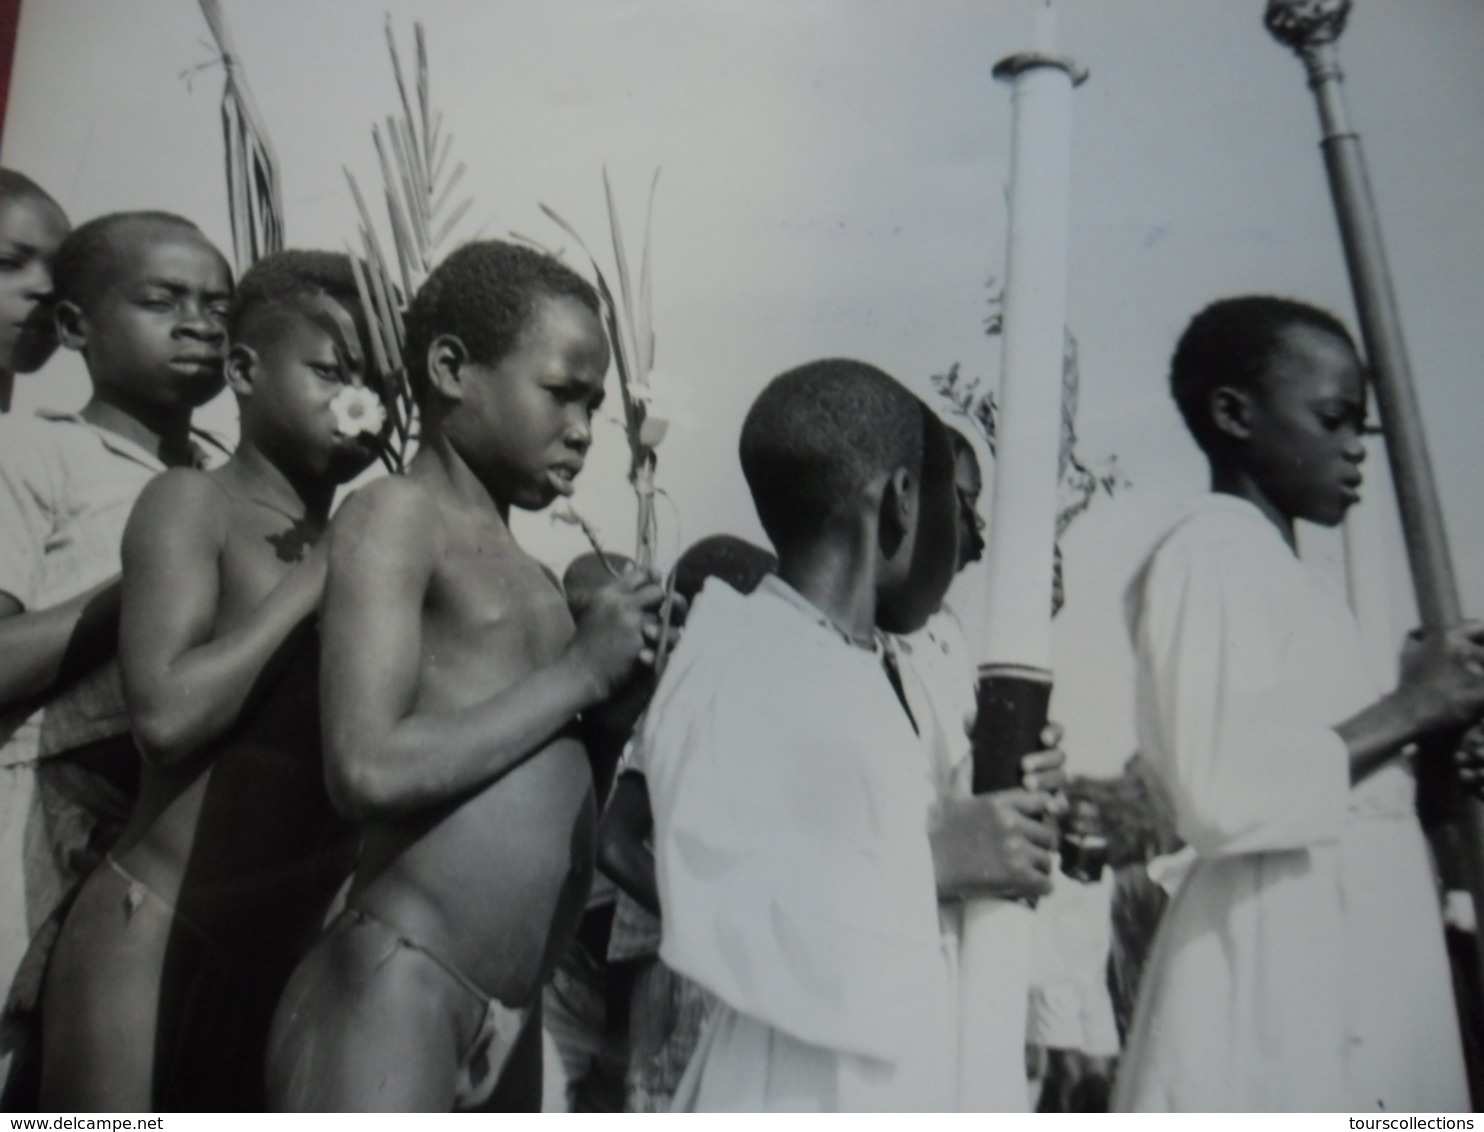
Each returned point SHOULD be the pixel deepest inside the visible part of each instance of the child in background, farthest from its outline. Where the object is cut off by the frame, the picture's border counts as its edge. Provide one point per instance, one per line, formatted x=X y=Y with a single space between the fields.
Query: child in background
x=666 y=1010
x=451 y=680
x=791 y=793
x=143 y=297
x=1300 y=965
x=32 y=225
x=163 y=983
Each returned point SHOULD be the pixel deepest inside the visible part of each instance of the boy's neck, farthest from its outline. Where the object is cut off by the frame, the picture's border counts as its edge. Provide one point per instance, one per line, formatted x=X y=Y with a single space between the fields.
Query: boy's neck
x=837 y=575
x=439 y=460
x=165 y=434
x=1235 y=481
x=269 y=484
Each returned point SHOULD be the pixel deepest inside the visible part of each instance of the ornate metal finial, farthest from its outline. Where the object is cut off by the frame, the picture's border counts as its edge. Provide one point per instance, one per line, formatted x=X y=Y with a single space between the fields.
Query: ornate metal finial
x=1304 y=24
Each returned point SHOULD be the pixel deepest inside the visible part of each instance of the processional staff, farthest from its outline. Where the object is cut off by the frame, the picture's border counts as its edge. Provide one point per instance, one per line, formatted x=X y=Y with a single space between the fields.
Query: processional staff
x=1312 y=28
x=1015 y=662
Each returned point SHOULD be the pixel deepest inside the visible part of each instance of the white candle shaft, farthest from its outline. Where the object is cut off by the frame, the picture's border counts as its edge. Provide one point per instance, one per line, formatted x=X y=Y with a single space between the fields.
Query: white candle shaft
x=1023 y=513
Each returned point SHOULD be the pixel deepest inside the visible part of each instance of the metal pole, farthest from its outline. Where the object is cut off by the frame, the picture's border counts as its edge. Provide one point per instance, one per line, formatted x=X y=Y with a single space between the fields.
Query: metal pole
x=1312 y=28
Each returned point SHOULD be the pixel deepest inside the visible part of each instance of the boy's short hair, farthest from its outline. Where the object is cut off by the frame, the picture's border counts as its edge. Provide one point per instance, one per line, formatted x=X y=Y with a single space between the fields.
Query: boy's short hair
x=737 y=562
x=1230 y=344
x=817 y=435
x=586 y=574
x=15 y=185
x=86 y=257
x=278 y=280
x=483 y=294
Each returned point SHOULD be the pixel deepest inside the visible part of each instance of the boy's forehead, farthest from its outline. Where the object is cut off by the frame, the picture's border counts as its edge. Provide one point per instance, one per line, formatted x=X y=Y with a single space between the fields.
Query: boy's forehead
x=148 y=249
x=32 y=220
x=1312 y=363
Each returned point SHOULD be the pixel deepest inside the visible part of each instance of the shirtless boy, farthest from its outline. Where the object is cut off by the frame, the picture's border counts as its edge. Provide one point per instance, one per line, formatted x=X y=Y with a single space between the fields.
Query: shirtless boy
x=32 y=225
x=163 y=983
x=451 y=677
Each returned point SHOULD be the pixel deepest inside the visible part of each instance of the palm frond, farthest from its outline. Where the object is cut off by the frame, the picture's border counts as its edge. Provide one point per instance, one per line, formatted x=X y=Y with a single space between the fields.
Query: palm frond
x=254 y=194
x=412 y=153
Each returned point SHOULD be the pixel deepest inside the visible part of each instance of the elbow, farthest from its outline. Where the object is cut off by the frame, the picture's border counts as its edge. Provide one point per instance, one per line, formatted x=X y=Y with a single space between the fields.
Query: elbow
x=359 y=789
x=163 y=737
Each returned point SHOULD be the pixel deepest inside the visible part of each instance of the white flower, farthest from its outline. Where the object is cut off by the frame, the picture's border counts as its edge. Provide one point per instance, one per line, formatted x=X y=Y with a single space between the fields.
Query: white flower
x=666 y=405
x=358 y=410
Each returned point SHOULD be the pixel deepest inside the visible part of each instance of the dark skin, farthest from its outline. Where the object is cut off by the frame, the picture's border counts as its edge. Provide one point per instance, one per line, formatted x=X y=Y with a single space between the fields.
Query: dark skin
x=210 y=602
x=1292 y=447
x=153 y=335
x=452 y=673
x=31 y=228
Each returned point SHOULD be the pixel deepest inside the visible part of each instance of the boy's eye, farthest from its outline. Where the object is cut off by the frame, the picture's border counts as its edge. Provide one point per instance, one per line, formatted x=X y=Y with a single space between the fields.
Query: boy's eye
x=218 y=310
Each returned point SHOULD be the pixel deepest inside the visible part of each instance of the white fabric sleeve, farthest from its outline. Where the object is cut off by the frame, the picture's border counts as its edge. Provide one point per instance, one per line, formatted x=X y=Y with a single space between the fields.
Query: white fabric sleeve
x=1254 y=770
x=776 y=898
x=26 y=518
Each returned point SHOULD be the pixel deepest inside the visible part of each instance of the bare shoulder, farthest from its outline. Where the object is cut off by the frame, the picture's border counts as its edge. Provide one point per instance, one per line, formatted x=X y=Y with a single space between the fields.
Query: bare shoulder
x=180 y=500
x=396 y=517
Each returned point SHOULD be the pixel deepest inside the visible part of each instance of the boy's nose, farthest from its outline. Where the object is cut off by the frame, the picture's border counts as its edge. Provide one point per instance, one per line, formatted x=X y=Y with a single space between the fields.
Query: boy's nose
x=579 y=435
x=201 y=323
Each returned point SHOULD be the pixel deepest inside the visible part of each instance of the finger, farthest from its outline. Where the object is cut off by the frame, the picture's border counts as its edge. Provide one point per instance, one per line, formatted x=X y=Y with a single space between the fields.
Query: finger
x=1051 y=734
x=1028 y=803
x=1037 y=761
x=651 y=595
x=646 y=656
x=1040 y=860
x=1046 y=782
x=1039 y=834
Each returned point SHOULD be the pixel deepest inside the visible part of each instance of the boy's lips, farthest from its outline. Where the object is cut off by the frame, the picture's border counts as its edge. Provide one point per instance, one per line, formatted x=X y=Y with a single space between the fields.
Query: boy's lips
x=197 y=362
x=563 y=477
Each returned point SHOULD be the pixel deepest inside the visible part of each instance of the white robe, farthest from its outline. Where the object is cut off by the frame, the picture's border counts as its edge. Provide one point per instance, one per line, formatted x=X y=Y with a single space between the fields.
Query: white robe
x=1301 y=965
x=790 y=799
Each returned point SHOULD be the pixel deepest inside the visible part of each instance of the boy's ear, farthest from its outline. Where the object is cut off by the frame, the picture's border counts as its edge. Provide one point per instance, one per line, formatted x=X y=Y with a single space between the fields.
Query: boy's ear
x=446 y=360
x=898 y=509
x=72 y=325
x=242 y=369
x=1231 y=411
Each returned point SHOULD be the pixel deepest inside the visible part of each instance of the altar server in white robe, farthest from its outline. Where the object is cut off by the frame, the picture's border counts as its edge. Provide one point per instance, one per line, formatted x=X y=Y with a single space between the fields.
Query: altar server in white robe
x=790 y=790
x=1301 y=964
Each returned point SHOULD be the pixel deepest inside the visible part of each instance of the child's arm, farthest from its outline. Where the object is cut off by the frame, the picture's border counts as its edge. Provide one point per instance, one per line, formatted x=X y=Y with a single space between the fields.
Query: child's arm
x=383 y=757
x=623 y=852
x=1442 y=688
x=185 y=686
x=41 y=649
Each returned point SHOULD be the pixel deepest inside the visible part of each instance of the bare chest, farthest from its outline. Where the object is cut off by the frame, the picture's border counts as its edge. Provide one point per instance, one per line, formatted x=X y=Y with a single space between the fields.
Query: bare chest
x=491 y=617
x=260 y=550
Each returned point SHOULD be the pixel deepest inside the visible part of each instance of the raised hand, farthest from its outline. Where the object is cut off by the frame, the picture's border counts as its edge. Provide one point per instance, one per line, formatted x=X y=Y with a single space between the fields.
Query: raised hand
x=1443 y=676
x=619 y=629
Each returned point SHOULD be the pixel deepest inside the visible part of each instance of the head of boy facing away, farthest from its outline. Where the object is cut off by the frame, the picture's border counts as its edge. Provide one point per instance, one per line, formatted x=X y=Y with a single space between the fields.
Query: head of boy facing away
x=853 y=480
x=32 y=227
x=1274 y=393
x=143 y=297
x=507 y=356
x=297 y=352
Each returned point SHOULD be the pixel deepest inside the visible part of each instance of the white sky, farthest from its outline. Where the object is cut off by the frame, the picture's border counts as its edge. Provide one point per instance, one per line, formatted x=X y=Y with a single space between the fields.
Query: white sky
x=833 y=183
